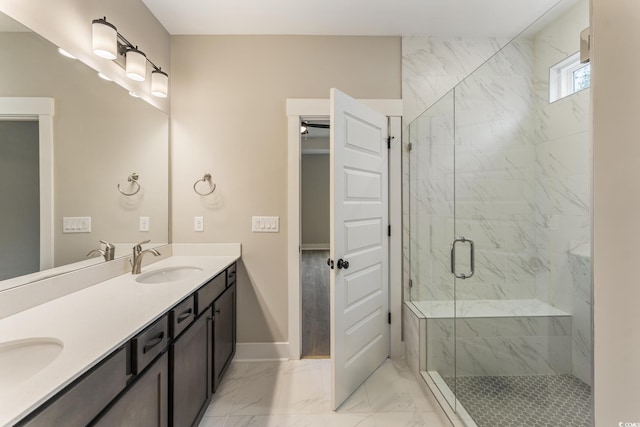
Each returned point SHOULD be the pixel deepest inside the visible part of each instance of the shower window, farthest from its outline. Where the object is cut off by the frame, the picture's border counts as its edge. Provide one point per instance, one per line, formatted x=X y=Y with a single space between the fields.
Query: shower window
x=568 y=77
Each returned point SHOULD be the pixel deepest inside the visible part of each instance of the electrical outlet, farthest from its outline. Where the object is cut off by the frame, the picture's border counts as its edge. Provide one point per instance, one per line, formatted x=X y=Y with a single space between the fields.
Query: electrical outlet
x=198 y=223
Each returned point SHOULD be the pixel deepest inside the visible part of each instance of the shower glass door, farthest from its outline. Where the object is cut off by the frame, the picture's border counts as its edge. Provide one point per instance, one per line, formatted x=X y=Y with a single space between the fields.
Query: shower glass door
x=500 y=267
x=521 y=206
x=431 y=187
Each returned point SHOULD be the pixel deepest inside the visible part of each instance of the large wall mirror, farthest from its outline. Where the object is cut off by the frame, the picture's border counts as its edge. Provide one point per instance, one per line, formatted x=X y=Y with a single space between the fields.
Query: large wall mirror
x=101 y=136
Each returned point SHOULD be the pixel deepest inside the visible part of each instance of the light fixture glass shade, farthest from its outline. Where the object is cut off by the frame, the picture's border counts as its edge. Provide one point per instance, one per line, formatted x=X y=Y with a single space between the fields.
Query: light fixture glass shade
x=159 y=83
x=136 y=65
x=105 y=39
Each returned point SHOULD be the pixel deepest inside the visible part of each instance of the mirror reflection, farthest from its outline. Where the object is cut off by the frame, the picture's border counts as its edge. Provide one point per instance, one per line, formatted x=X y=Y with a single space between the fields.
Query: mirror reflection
x=101 y=139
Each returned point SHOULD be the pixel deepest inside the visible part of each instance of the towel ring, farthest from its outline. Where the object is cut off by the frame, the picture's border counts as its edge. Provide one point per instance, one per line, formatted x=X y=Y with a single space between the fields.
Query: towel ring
x=133 y=178
x=205 y=178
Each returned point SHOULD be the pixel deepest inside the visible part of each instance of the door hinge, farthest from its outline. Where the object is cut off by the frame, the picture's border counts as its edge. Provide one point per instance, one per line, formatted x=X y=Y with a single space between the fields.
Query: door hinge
x=389 y=138
x=389 y=317
x=409 y=146
x=389 y=231
x=410 y=283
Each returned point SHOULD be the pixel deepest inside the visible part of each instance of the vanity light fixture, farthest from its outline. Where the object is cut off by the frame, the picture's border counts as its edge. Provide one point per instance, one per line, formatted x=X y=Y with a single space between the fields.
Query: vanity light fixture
x=159 y=83
x=105 y=39
x=108 y=43
x=136 y=64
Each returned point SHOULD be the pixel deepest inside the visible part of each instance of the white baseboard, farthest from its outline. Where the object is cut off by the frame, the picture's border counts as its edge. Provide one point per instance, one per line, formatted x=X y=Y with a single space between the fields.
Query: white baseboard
x=261 y=351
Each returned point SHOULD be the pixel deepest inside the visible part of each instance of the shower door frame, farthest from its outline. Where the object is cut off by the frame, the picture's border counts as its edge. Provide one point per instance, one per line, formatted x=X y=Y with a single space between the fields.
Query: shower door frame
x=298 y=109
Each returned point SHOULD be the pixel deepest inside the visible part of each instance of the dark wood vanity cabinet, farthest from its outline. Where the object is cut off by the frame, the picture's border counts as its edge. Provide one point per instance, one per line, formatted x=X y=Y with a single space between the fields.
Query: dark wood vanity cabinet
x=162 y=377
x=80 y=402
x=190 y=372
x=143 y=404
x=224 y=333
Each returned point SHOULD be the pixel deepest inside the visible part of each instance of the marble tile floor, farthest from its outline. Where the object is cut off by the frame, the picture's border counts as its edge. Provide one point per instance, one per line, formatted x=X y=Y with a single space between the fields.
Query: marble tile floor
x=297 y=393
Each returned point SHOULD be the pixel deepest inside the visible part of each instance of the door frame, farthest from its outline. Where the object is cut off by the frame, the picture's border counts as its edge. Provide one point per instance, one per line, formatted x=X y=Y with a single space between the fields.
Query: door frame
x=297 y=109
x=42 y=109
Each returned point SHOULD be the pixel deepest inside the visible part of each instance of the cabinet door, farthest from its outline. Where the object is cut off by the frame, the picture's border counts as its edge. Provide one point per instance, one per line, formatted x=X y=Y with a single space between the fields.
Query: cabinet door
x=145 y=403
x=224 y=335
x=191 y=372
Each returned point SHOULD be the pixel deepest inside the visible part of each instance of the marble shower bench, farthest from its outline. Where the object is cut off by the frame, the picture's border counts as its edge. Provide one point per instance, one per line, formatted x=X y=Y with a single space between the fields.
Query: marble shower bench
x=494 y=337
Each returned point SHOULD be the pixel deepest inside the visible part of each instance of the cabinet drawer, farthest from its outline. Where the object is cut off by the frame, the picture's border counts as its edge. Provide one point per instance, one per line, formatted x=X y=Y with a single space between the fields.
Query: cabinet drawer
x=149 y=343
x=231 y=275
x=209 y=292
x=182 y=316
x=84 y=399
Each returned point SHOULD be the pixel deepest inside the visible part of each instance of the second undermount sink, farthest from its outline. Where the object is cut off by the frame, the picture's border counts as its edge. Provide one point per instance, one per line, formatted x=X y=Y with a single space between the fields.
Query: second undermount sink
x=22 y=359
x=167 y=274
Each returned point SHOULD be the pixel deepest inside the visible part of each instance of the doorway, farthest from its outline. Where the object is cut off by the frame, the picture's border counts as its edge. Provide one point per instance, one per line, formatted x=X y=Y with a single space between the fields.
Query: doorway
x=19 y=184
x=315 y=238
x=319 y=109
x=365 y=153
x=40 y=110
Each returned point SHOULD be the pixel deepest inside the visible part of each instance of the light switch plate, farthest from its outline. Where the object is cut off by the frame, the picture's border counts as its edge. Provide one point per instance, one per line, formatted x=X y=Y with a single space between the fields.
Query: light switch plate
x=76 y=224
x=144 y=223
x=198 y=223
x=265 y=224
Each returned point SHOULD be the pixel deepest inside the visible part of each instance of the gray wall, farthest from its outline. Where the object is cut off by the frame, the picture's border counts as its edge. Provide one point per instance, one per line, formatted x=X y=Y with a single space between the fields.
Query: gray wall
x=315 y=200
x=20 y=198
x=101 y=135
x=228 y=118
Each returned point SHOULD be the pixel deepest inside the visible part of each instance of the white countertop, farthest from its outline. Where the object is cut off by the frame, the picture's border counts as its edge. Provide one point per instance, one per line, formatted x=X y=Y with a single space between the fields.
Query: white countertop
x=92 y=323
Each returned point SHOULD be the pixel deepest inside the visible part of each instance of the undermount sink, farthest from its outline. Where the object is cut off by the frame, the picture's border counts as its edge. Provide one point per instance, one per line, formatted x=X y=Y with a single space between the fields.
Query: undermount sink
x=22 y=359
x=168 y=274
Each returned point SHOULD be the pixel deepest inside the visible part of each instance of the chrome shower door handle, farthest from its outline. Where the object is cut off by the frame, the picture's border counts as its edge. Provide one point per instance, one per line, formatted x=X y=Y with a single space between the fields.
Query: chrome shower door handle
x=472 y=256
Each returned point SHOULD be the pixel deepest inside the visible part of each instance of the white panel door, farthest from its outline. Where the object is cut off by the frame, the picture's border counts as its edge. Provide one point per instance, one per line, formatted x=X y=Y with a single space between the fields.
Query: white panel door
x=359 y=244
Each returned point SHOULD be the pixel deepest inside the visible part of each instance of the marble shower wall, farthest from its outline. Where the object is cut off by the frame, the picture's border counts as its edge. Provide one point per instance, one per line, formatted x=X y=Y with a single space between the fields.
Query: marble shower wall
x=431 y=68
x=494 y=182
x=563 y=186
x=494 y=179
x=522 y=164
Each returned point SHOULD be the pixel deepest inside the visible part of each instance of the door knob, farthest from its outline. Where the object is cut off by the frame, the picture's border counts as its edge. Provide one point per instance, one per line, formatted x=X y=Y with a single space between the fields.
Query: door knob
x=343 y=264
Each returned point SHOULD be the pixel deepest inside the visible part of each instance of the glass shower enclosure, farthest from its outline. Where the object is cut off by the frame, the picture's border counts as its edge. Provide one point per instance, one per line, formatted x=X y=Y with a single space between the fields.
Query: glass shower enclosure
x=499 y=197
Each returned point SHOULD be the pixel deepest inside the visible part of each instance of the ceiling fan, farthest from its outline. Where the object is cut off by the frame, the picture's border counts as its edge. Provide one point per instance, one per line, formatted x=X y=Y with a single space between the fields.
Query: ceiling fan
x=305 y=125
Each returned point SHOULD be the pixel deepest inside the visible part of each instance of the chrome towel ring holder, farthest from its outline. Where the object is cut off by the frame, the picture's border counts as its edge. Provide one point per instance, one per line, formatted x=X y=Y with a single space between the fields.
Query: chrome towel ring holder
x=133 y=178
x=205 y=178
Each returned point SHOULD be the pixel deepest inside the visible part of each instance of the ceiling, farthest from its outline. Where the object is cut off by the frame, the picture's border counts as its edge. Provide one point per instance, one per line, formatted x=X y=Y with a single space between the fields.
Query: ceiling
x=465 y=18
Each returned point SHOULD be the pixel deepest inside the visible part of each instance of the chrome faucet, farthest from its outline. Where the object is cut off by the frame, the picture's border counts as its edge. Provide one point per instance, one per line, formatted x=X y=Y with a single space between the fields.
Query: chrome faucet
x=107 y=253
x=138 y=253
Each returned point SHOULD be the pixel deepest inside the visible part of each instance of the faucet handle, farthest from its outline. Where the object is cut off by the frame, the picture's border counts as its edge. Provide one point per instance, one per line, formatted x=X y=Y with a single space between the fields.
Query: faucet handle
x=108 y=246
x=138 y=247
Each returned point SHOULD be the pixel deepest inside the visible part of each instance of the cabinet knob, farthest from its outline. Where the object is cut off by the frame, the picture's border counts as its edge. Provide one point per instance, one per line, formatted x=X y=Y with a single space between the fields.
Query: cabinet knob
x=217 y=311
